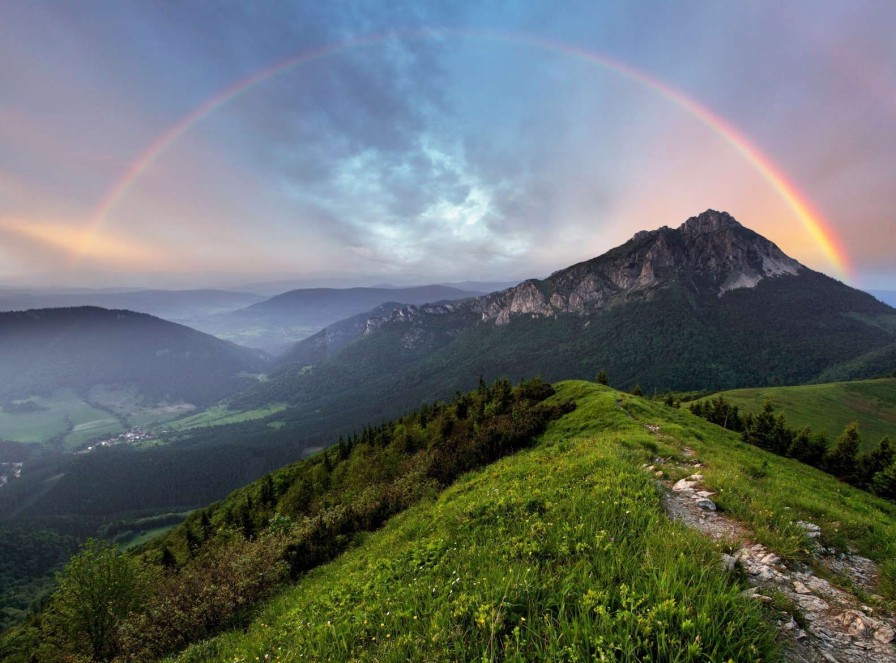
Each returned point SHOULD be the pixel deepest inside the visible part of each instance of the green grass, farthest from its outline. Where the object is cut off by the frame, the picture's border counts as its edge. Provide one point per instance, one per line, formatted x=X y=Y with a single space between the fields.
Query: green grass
x=88 y=430
x=129 y=404
x=558 y=553
x=140 y=538
x=64 y=413
x=563 y=553
x=219 y=415
x=71 y=420
x=770 y=493
x=829 y=407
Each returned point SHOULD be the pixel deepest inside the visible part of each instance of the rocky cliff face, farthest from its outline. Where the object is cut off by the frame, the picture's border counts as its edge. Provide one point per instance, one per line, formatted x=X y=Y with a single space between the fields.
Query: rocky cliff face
x=711 y=252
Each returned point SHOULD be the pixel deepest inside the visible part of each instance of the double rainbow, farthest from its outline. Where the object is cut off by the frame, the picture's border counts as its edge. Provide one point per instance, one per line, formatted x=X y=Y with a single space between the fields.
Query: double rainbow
x=811 y=219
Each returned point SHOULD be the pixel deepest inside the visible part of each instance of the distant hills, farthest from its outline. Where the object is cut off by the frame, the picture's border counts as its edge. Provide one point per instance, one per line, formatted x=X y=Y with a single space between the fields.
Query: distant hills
x=78 y=348
x=708 y=305
x=276 y=323
x=169 y=304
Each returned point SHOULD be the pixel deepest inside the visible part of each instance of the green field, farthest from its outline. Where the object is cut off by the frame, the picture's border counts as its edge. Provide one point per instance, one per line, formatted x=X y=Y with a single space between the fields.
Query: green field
x=563 y=552
x=68 y=420
x=221 y=415
x=65 y=416
x=89 y=430
x=141 y=538
x=829 y=407
x=128 y=404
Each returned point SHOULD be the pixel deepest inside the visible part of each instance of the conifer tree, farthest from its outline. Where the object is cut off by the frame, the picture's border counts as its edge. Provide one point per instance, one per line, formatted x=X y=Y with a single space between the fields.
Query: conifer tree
x=808 y=448
x=884 y=482
x=842 y=461
x=759 y=430
x=875 y=461
x=602 y=378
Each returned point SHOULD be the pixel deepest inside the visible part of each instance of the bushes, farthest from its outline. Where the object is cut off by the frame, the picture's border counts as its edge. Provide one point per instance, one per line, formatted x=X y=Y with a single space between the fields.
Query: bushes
x=208 y=573
x=872 y=471
x=97 y=591
x=229 y=575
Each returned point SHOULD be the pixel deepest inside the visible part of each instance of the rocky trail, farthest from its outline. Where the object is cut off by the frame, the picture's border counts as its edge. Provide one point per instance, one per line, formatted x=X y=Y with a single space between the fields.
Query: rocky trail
x=823 y=622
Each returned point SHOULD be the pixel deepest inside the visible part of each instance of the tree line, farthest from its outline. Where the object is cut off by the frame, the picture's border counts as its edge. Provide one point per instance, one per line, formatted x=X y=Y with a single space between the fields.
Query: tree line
x=207 y=574
x=874 y=470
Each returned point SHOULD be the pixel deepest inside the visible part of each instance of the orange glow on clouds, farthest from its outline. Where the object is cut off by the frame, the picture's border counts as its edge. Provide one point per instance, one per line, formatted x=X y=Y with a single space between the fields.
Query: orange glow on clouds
x=75 y=243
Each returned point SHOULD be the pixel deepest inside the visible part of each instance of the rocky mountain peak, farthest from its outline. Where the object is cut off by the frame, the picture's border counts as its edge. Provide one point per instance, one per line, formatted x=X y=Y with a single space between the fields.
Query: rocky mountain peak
x=709 y=222
x=710 y=253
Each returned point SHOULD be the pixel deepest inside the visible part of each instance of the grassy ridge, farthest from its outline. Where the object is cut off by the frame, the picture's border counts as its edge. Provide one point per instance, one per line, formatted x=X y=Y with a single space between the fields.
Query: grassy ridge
x=557 y=553
x=829 y=407
x=563 y=553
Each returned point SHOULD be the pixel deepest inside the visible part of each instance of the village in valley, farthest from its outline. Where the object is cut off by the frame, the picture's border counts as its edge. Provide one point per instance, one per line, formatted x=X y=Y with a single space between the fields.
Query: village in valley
x=137 y=434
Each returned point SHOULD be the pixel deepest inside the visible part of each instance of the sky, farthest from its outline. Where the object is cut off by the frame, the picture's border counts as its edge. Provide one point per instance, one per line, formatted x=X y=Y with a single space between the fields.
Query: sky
x=348 y=143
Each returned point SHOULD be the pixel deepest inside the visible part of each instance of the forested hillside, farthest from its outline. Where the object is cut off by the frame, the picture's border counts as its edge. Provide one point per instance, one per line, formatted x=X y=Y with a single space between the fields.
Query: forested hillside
x=567 y=548
x=709 y=305
x=42 y=351
x=317 y=508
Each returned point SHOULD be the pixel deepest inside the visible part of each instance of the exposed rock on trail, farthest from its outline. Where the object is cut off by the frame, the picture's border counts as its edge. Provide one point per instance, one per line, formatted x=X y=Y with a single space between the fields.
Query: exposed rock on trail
x=829 y=624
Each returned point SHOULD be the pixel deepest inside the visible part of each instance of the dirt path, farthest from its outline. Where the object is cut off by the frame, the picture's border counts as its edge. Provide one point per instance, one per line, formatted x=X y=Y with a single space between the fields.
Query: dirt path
x=826 y=623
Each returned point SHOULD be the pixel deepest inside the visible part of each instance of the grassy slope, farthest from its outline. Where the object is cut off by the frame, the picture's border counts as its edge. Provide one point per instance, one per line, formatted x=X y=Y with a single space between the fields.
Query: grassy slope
x=219 y=415
x=829 y=407
x=64 y=411
x=562 y=552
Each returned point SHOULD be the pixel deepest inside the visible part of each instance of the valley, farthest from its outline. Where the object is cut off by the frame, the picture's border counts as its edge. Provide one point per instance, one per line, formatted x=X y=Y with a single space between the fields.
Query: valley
x=452 y=332
x=137 y=456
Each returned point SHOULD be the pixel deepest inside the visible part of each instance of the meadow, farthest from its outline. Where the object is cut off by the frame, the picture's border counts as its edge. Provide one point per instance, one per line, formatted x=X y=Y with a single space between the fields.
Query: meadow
x=828 y=407
x=563 y=552
x=221 y=415
x=63 y=419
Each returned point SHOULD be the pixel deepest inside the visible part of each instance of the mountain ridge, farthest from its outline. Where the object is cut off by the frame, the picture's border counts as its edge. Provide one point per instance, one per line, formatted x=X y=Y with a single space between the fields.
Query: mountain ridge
x=42 y=350
x=277 y=322
x=707 y=305
x=740 y=260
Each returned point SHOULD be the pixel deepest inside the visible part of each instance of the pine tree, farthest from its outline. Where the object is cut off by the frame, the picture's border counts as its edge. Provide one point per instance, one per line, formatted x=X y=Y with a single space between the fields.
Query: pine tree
x=808 y=448
x=884 y=483
x=168 y=560
x=842 y=461
x=602 y=378
x=268 y=494
x=205 y=526
x=759 y=430
x=875 y=461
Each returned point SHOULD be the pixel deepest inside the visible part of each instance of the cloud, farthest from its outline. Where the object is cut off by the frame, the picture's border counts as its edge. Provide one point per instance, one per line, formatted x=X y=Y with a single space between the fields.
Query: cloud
x=63 y=242
x=450 y=156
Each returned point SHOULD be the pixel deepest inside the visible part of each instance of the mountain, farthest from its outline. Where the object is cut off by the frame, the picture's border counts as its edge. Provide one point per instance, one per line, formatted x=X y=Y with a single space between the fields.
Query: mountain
x=886 y=296
x=45 y=350
x=274 y=324
x=708 y=305
x=168 y=304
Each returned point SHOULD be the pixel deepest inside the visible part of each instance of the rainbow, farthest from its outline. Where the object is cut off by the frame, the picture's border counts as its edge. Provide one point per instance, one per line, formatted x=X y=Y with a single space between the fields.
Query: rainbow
x=810 y=218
